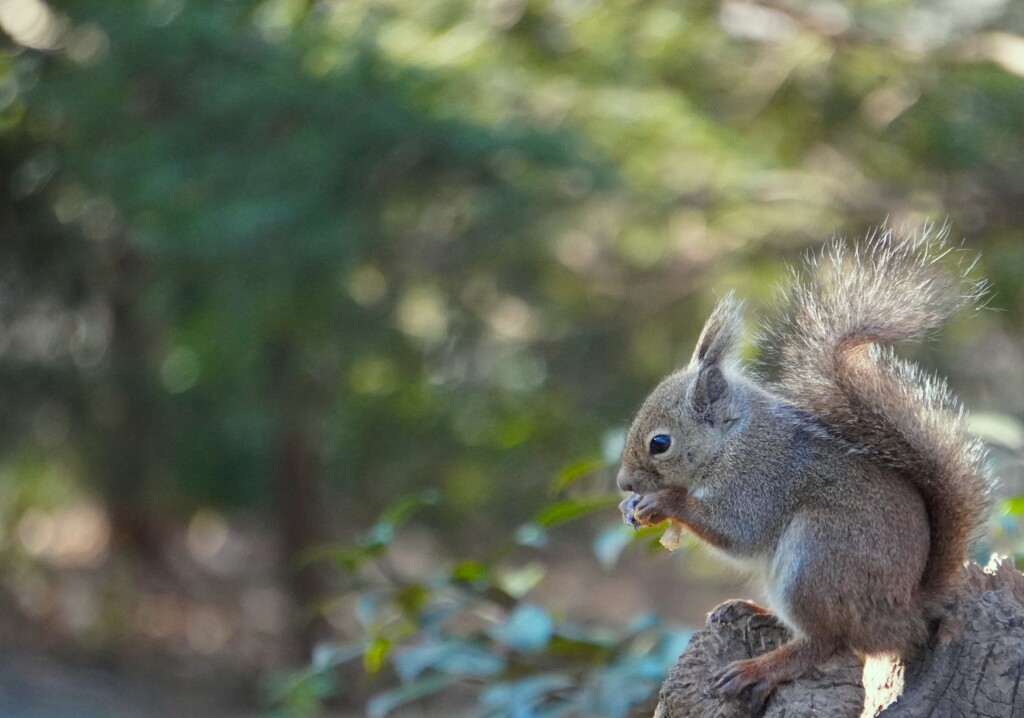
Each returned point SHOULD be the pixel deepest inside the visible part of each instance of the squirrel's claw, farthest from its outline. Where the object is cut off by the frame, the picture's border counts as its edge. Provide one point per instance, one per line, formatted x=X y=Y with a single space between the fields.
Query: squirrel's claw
x=735 y=609
x=628 y=508
x=649 y=510
x=643 y=510
x=745 y=682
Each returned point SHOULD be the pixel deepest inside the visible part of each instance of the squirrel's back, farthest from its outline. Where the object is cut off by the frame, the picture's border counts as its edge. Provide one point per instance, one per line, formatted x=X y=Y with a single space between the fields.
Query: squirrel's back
x=829 y=353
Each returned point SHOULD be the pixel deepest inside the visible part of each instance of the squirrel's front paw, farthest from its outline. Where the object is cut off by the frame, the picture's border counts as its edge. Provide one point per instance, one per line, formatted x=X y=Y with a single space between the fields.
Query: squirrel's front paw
x=735 y=609
x=628 y=508
x=648 y=511
x=654 y=508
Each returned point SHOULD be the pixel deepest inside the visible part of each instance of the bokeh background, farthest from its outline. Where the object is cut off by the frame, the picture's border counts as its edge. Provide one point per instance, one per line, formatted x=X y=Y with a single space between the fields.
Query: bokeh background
x=321 y=322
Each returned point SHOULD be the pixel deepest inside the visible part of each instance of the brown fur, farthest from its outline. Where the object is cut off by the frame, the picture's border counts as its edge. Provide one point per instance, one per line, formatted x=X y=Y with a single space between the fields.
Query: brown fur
x=848 y=484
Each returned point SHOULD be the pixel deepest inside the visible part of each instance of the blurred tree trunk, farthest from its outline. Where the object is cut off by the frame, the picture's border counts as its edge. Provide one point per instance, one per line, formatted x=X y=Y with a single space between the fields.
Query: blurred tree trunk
x=299 y=487
x=125 y=409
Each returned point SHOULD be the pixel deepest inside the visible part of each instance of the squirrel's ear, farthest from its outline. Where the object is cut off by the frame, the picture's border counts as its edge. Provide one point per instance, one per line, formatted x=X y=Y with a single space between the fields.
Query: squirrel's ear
x=709 y=388
x=721 y=332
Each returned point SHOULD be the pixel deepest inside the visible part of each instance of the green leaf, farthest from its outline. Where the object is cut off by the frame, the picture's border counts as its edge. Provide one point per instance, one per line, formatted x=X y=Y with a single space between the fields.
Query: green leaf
x=576 y=471
x=530 y=534
x=411 y=598
x=518 y=581
x=327 y=655
x=301 y=694
x=470 y=571
x=528 y=628
x=383 y=703
x=348 y=558
x=401 y=511
x=376 y=652
x=524 y=694
x=381 y=534
x=378 y=538
x=619 y=687
x=569 y=509
x=580 y=648
x=1013 y=505
x=453 y=656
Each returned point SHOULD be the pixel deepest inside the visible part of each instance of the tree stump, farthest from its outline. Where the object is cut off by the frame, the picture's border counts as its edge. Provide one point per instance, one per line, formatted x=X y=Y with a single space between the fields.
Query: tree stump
x=972 y=665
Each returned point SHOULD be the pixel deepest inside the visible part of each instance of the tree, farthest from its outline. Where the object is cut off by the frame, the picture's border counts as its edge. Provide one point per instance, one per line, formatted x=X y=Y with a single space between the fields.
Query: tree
x=972 y=665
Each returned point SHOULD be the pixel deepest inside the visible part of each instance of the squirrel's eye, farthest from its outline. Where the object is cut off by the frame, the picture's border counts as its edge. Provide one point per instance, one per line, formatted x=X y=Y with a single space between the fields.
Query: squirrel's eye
x=660 y=443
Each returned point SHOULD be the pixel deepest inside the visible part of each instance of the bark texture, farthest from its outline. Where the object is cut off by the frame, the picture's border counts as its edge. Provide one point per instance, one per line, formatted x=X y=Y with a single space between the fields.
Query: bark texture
x=971 y=667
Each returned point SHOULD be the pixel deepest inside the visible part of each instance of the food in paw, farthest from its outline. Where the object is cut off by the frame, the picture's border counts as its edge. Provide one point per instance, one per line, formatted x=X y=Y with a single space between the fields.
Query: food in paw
x=674 y=532
x=669 y=539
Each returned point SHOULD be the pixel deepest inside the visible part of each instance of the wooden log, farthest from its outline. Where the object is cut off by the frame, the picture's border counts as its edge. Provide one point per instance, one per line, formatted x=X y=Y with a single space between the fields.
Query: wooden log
x=972 y=666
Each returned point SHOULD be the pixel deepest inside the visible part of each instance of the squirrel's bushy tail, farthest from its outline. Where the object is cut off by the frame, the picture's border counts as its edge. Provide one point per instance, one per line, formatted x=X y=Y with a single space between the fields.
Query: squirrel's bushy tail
x=828 y=348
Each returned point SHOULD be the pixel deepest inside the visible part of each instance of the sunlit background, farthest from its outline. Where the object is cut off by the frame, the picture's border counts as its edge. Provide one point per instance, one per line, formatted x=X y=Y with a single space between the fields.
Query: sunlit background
x=321 y=323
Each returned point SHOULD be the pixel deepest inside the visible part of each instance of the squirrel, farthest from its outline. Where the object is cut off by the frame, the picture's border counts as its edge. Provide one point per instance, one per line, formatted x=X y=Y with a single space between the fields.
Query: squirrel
x=848 y=482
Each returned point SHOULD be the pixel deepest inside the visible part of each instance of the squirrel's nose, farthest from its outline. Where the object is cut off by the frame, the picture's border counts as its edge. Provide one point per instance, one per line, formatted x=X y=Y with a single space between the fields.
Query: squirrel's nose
x=623 y=480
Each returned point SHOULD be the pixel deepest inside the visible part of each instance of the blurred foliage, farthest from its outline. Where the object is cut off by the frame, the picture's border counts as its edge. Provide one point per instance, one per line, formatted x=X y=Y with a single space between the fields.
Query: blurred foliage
x=469 y=626
x=451 y=241
x=304 y=257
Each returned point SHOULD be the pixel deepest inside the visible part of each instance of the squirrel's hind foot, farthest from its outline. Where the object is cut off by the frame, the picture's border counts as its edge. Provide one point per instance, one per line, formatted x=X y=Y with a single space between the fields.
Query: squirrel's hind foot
x=752 y=680
x=746 y=682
